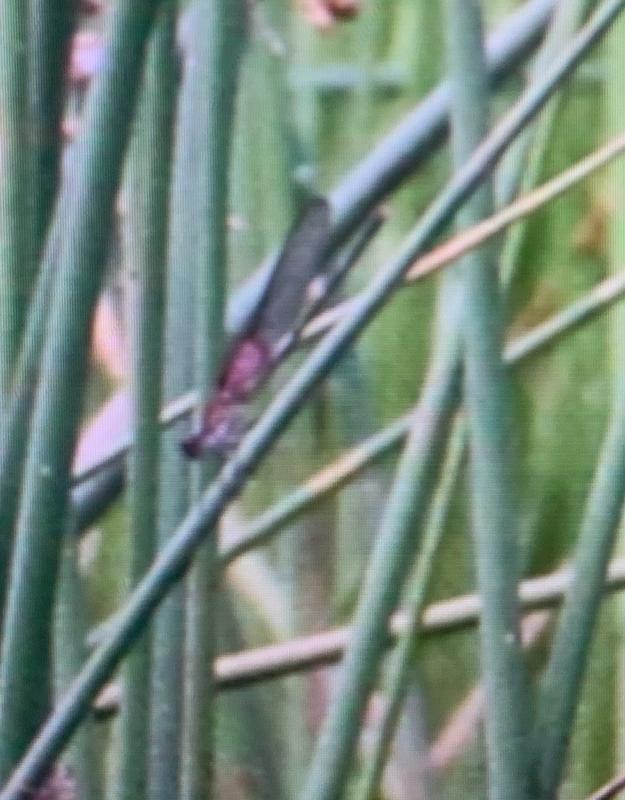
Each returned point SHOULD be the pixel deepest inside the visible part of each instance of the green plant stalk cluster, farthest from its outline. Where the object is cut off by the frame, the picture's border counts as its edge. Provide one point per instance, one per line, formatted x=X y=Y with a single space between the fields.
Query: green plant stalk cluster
x=167 y=666
x=258 y=531
x=176 y=555
x=399 y=670
x=412 y=140
x=560 y=687
x=396 y=544
x=84 y=199
x=25 y=669
x=567 y=18
x=516 y=211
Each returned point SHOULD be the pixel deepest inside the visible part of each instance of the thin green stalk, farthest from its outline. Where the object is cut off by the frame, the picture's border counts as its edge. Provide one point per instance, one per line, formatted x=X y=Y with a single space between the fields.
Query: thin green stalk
x=613 y=57
x=168 y=628
x=15 y=230
x=396 y=543
x=400 y=669
x=581 y=311
x=147 y=194
x=491 y=432
x=167 y=667
x=207 y=104
x=24 y=669
x=561 y=683
x=16 y=414
x=299 y=125
x=176 y=555
x=614 y=60
x=70 y=653
x=50 y=29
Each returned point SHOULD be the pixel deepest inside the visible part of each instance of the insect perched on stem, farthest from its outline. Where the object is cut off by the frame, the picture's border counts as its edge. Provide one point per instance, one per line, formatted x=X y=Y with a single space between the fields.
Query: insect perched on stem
x=298 y=287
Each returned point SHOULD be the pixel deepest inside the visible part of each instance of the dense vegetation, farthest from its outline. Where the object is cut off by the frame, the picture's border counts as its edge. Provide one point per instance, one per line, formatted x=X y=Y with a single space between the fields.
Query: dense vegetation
x=173 y=628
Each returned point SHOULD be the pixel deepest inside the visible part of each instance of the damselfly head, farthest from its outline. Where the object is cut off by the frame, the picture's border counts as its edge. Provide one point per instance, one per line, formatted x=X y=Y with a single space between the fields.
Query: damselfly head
x=223 y=427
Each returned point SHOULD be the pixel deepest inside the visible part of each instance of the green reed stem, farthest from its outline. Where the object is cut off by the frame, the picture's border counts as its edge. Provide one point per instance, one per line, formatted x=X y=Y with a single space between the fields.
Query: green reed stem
x=413 y=140
x=145 y=235
x=15 y=230
x=491 y=429
x=70 y=652
x=215 y=47
x=396 y=543
x=51 y=27
x=399 y=671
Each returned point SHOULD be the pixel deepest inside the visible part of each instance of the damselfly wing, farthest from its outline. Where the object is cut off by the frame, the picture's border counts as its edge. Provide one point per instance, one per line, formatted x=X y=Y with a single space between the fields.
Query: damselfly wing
x=255 y=352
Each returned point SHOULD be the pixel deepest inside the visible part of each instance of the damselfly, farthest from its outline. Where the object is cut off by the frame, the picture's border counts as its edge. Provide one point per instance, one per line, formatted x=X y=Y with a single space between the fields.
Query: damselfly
x=299 y=286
